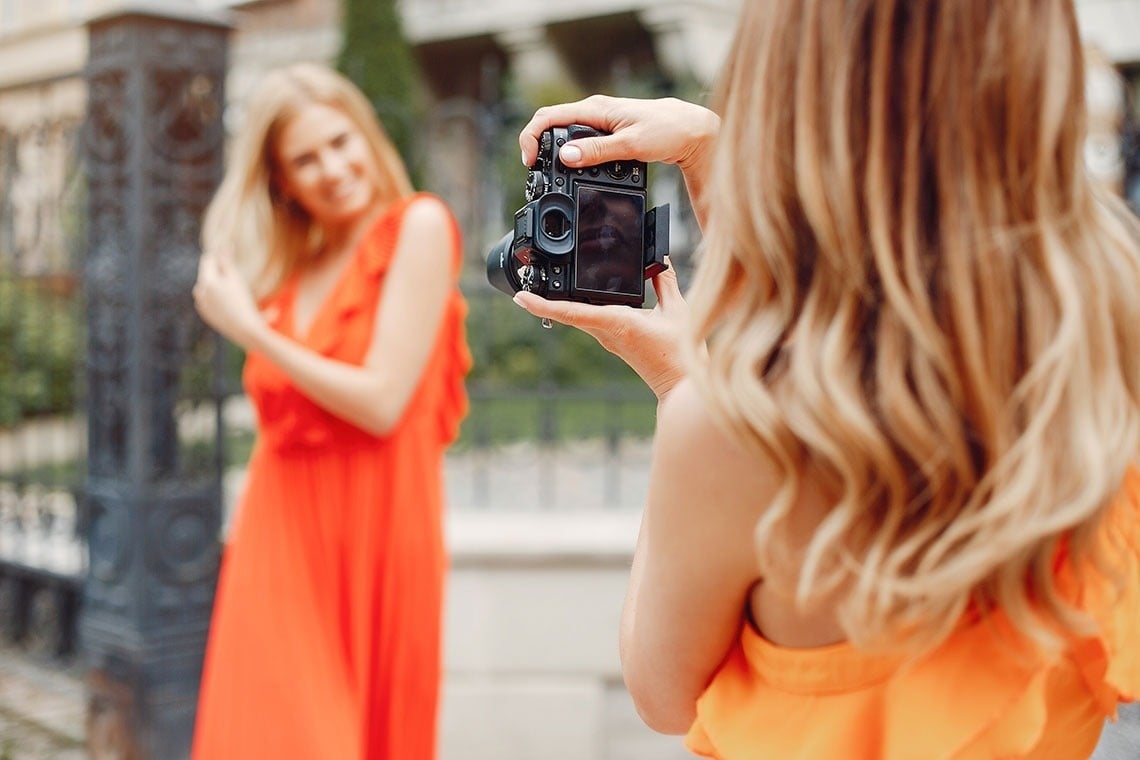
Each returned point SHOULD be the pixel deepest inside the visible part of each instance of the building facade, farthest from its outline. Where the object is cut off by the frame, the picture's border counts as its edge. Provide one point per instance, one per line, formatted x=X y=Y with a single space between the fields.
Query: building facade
x=486 y=63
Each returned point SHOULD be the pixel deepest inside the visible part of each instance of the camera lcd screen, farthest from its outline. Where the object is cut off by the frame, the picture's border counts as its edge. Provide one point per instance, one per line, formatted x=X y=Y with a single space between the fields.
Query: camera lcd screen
x=611 y=249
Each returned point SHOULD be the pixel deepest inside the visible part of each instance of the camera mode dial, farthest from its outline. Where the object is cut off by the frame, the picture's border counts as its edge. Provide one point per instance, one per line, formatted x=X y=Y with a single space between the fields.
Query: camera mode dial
x=536 y=185
x=532 y=279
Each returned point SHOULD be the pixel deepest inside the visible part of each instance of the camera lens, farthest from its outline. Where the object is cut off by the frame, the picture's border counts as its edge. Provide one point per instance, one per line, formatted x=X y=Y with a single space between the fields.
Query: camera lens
x=500 y=270
x=555 y=223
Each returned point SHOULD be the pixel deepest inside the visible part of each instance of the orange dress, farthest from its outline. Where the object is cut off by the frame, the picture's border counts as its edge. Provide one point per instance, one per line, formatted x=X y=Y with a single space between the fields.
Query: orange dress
x=325 y=638
x=984 y=694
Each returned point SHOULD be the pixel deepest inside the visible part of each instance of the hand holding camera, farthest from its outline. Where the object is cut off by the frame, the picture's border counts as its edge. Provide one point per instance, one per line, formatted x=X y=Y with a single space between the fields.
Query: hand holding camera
x=584 y=234
x=648 y=340
x=661 y=130
x=664 y=130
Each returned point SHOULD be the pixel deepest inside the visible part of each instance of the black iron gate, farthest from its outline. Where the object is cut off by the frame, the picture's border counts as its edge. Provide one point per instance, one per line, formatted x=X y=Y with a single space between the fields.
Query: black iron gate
x=42 y=432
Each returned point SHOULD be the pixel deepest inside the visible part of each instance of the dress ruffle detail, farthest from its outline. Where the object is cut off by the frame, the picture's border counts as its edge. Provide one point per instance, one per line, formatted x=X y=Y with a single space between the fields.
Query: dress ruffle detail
x=985 y=693
x=371 y=262
x=453 y=403
x=1114 y=602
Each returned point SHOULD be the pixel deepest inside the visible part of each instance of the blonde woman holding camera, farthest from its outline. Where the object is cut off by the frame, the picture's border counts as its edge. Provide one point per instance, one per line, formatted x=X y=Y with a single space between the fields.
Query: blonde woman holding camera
x=893 y=509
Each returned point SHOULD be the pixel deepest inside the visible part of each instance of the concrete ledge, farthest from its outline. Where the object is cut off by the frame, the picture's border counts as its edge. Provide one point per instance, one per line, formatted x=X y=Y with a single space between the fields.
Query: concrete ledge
x=552 y=622
x=522 y=717
x=536 y=538
x=537 y=593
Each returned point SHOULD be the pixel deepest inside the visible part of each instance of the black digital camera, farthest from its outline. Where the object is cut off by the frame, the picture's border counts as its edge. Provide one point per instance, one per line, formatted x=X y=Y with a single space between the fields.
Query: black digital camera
x=584 y=234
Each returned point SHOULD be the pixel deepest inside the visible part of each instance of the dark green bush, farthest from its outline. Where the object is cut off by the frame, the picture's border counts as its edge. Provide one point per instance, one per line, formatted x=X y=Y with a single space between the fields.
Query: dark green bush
x=511 y=350
x=378 y=59
x=39 y=350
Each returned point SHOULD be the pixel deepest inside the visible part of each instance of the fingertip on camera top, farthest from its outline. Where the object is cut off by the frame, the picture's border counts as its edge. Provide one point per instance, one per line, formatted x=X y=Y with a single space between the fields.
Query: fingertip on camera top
x=571 y=153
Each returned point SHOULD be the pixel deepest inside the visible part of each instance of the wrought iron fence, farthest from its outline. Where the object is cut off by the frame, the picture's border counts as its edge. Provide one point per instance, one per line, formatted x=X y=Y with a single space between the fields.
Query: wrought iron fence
x=42 y=430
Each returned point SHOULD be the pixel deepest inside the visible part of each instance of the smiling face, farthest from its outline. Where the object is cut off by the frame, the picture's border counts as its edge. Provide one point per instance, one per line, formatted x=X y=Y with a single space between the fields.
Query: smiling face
x=324 y=164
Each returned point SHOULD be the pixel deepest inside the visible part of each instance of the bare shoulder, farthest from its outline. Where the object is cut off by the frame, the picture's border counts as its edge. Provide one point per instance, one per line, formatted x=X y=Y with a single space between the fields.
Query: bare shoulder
x=686 y=410
x=427 y=232
x=426 y=213
x=702 y=456
x=687 y=422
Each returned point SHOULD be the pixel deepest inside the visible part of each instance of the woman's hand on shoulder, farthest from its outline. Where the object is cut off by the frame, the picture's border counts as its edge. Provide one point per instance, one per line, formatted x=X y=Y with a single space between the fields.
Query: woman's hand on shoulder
x=413 y=301
x=224 y=300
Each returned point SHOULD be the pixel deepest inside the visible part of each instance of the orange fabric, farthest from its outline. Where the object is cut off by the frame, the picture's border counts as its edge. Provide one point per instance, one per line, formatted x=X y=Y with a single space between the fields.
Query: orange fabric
x=986 y=693
x=325 y=640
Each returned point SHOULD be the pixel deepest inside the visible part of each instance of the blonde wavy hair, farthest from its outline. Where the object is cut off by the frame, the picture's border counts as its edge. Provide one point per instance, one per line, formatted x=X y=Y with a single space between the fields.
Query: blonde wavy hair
x=270 y=235
x=912 y=295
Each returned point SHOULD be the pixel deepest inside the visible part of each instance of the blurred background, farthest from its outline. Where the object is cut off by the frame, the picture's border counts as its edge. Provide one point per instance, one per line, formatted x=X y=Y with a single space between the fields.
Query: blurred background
x=121 y=416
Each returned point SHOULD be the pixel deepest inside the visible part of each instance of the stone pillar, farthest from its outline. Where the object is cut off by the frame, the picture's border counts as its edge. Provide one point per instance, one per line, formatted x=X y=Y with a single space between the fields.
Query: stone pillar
x=667 y=27
x=153 y=146
x=690 y=39
x=534 y=61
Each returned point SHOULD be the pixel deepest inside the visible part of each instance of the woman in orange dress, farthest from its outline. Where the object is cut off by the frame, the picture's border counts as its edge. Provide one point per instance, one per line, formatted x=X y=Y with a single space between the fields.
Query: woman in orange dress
x=341 y=285
x=893 y=509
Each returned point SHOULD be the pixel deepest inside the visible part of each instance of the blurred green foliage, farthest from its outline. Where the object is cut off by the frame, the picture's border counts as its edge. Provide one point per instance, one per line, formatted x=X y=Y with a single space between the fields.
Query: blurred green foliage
x=39 y=350
x=557 y=418
x=375 y=55
x=512 y=350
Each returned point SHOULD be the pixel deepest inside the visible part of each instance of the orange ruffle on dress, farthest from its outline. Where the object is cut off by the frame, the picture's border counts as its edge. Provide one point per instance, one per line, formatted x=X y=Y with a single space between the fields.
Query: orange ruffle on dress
x=984 y=694
x=325 y=639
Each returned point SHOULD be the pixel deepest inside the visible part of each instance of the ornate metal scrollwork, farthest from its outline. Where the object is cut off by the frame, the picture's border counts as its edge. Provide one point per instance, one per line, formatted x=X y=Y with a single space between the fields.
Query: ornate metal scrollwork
x=154 y=144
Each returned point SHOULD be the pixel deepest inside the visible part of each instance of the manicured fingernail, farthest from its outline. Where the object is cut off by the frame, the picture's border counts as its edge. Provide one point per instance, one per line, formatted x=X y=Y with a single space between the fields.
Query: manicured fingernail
x=570 y=153
x=522 y=156
x=518 y=300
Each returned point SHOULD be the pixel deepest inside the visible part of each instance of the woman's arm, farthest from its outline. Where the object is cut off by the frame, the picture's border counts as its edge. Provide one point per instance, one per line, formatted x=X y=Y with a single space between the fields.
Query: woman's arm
x=694 y=564
x=412 y=304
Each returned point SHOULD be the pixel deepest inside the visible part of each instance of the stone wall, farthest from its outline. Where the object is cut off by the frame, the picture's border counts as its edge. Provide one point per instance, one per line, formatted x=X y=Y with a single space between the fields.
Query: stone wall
x=531 y=656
